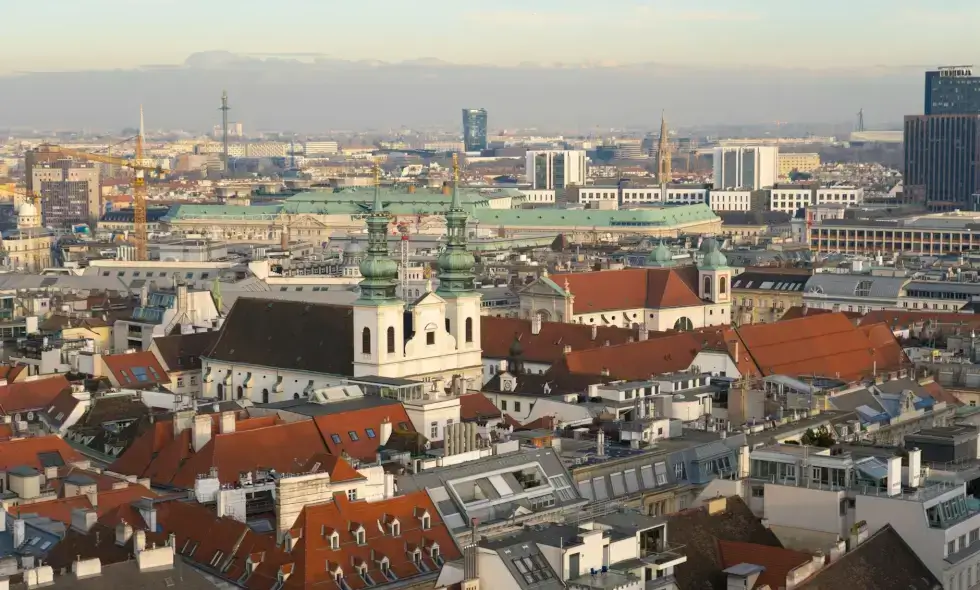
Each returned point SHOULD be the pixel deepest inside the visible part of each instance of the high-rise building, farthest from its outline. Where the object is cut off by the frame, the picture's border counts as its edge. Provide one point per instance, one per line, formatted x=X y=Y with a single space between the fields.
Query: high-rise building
x=555 y=169
x=474 y=130
x=70 y=191
x=952 y=90
x=942 y=160
x=746 y=167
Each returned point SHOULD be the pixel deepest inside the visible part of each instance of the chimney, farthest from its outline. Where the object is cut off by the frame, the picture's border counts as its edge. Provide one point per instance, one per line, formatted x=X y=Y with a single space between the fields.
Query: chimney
x=139 y=541
x=600 y=443
x=644 y=333
x=83 y=519
x=157 y=558
x=595 y=331
x=182 y=421
x=227 y=425
x=19 y=532
x=123 y=533
x=385 y=431
x=202 y=432
x=144 y=295
x=39 y=576
x=536 y=324
x=86 y=568
x=915 y=467
x=567 y=349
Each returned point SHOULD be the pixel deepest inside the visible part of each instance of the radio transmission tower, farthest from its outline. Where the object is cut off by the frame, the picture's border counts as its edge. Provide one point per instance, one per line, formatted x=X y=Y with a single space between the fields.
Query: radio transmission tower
x=860 y=125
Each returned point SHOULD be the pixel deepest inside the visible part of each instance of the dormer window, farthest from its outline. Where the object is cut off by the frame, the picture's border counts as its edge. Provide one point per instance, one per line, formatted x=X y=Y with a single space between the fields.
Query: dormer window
x=426 y=521
x=334 y=540
x=395 y=528
x=434 y=554
x=360 y=536
x=417 y=558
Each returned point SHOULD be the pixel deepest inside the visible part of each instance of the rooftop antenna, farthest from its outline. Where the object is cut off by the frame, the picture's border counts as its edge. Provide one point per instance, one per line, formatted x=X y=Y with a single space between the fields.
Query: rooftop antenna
x=860 y=125
x=224 y=128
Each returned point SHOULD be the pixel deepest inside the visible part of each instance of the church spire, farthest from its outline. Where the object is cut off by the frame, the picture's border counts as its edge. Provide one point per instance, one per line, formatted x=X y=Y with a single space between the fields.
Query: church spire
x=379 y=271
x=455 y=263
x=663 y=153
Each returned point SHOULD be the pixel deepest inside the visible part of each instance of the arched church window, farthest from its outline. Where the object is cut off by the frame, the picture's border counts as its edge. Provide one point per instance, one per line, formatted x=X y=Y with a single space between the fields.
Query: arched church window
x=469 y=329
x=366 y=341
x=391 y=340
x=722 y=285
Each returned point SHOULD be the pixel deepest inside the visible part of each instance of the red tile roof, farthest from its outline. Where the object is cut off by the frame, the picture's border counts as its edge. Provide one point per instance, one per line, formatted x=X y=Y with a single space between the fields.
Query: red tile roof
x=60 y=510
x=474 y=406
x=136 y=369
x=25 y=452
x=828 y=345
x=36 y=394
x=638 y=288
x=338 y=469
x=778 y=562
x=941 y=395
x=6 y=431
x=359 y=421
x=497 y=334
x=902 y=319
x=798 y=311
x=61 y=407
x=343 y=516
x=11 y=374
x=170 y=460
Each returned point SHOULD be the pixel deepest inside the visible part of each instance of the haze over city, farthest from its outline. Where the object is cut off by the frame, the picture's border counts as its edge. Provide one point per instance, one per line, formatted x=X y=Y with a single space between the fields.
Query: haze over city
x=572 y=65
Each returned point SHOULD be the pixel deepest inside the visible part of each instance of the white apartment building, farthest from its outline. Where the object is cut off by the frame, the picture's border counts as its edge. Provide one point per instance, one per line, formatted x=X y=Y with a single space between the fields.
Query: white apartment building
x=936 y=517
x=730 y=200
x=746 y=167
x=790 y=199
x=538 y=197
x=555 y=169
x=632 y=196
x=321 y=148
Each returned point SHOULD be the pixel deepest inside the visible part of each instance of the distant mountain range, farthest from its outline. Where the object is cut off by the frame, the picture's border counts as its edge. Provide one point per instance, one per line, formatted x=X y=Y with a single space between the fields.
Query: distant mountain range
x=311 y=94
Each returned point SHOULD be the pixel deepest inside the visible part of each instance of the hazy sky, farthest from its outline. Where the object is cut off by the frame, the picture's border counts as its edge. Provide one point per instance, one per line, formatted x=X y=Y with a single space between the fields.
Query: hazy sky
x=98 y=34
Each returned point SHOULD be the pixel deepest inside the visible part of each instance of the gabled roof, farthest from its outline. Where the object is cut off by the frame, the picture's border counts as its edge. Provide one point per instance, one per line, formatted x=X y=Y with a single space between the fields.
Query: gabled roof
x=295 y=335
x=362 y=423
x=108 y=500
x=341 y=515
x=778 y=562
x=36 y=394
x=338 y=469
x=634 y=288
x=824 y=345
x=548 y=345
x=10 y=374
x=698 y=531
x=883 y=561
x=61 y=407
x=476 y=406
x=136 y=369
x=182 y=352
x=37 y=452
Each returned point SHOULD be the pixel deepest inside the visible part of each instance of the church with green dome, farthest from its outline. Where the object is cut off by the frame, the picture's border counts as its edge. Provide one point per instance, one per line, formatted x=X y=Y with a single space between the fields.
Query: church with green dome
x=436 y=337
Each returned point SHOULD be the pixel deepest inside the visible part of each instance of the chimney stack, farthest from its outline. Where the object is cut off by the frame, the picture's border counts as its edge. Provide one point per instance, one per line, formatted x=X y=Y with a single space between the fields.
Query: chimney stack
x=595 y=331
x=644 y=333
x=201 y=432
x=124 y=532
x=385 y=431
x=227 y=424
x=536 y=324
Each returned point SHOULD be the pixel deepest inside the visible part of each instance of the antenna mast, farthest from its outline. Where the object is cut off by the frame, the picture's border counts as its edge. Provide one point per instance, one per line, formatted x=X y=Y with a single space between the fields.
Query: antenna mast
x=224 y=129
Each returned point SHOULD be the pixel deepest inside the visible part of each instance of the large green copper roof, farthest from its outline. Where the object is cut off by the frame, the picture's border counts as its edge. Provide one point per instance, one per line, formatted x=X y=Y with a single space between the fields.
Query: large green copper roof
x=582 y=218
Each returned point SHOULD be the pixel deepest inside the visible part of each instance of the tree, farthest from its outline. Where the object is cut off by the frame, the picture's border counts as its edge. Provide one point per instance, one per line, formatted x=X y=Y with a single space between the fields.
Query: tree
x=819 y=438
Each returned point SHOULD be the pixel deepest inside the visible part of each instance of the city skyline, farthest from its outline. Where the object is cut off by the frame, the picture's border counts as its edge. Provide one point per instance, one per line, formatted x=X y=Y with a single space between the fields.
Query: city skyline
x=100 y=34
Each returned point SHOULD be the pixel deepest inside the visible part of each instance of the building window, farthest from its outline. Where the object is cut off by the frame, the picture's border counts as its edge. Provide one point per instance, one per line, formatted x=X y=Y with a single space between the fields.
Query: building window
x=360 y=532
x=391 y=341
x=221 y=391
x=434 y=430
x=469 y=329
x=240 y=392
x=352 y=435
x=352 y=495
x=370 y=432
x=722 y=285
x=503 y=405
x=180 y=381
x=430 y=338
x=335 y=438
x=517 y=406
x=366 y=341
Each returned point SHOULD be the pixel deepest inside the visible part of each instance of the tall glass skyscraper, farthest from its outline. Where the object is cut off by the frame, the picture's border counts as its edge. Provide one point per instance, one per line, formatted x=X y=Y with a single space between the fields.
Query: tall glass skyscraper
x=474 y=130
x=942 y=160
x=952 y=91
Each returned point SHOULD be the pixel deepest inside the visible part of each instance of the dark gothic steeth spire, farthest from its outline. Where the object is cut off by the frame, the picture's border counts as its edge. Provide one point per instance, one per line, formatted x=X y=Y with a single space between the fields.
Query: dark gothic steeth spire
x=455 y=263
x=379 y=271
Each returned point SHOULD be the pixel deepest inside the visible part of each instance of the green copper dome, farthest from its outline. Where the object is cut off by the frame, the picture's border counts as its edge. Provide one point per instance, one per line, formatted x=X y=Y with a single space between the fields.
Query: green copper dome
x=707 y=245
x=375 y=268
x=660 y=257
x=714 y=259
x=456 y=261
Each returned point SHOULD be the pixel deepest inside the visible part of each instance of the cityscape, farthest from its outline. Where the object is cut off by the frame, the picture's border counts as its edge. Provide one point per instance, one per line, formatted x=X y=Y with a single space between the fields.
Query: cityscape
x=457 y=344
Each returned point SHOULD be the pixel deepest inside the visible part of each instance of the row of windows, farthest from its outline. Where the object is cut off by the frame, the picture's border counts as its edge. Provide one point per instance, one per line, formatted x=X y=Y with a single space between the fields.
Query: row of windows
x=430 y=337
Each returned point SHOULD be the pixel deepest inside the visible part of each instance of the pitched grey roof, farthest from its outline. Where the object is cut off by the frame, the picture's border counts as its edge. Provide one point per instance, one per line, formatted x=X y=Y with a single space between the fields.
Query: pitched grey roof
x=841 y=285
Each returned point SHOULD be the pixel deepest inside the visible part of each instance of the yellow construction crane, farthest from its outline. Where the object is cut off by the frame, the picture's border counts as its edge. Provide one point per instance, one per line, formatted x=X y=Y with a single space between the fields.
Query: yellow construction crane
x=35 y=198
x=138 y=165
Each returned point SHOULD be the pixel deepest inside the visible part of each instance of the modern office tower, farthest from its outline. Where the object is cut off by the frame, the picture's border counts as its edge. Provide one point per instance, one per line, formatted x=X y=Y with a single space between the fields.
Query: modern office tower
x=746 y=167
x=942 y=160
x=70 y=191
x=555 y=169
x=952 y=90
x=474 y=130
